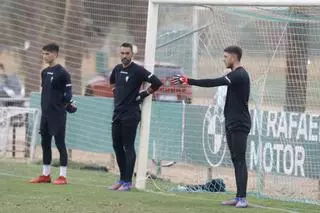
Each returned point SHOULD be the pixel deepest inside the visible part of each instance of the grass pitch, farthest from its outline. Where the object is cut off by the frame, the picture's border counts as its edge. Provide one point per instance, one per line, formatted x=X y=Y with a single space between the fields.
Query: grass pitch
x=87 y=192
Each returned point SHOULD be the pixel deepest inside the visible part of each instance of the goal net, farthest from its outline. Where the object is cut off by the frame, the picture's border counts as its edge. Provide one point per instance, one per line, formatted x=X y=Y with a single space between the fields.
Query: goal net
x=186 y=144
x=19 y=129
x=281 y=53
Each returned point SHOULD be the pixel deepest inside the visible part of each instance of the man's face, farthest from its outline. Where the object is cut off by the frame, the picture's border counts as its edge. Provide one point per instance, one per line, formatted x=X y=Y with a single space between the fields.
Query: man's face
x=48 y=57
x=229 y=59
x=126 y=55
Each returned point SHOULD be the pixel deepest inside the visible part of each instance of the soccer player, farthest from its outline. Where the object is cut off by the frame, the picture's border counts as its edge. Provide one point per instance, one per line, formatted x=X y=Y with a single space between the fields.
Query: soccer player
x=56 y=100
x=236 y=113
x=126 y=79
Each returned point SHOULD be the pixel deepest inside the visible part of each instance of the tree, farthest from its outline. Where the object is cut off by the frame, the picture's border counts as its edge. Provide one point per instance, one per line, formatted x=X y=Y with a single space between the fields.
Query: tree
x=31 y=29
x=133 y=13
x=73 y=45
x=38 y=22
x=297 y=61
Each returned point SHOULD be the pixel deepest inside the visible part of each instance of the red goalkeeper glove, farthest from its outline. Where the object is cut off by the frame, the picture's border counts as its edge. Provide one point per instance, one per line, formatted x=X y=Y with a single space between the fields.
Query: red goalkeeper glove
x=180 y=79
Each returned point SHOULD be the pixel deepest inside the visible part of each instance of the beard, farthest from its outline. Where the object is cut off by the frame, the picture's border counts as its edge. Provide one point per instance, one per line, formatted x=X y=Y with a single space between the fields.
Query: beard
x=229 y=66
x=125 y=61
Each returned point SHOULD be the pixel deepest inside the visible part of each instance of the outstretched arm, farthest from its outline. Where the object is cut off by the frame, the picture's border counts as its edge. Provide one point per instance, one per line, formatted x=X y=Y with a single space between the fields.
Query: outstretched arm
x=222 y=81
x=230 y=78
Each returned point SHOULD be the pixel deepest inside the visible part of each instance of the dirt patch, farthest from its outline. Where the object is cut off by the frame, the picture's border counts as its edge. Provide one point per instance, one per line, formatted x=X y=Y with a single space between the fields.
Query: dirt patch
x=274 y=185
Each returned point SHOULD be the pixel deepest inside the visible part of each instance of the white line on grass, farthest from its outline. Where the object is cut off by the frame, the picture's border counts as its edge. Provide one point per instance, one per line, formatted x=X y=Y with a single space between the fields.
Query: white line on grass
x=195 y=198
x=251 y=204
x=271 y=208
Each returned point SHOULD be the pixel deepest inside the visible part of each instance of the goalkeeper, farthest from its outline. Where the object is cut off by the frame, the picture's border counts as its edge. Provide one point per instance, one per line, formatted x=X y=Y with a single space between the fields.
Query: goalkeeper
x=236 y=113
x=56 y=99
x=126 y=80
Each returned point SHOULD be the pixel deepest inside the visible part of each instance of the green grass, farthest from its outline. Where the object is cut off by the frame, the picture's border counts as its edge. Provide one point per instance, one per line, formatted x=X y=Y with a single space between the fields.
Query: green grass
x=87 y=193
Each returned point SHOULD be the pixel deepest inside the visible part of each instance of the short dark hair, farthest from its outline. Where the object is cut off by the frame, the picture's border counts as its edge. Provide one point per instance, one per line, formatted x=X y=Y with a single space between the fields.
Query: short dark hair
x=52 y=47
x=234 y=50
x=128 y=45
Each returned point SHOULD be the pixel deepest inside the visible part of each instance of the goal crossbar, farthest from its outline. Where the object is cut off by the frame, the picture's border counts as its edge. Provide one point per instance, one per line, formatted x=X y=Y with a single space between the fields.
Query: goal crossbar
x=240 y=3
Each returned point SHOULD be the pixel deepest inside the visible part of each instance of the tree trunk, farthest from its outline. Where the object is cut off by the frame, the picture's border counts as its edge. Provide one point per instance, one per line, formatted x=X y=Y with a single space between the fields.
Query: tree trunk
x=133 y=13
x=33 y=27
x=137 y=24
x=73 y=45
x=297 y=61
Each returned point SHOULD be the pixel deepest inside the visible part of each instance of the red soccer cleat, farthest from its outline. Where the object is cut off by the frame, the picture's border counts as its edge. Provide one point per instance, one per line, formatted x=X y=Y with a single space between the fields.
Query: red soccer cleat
x=41 y=179
x=60 y=181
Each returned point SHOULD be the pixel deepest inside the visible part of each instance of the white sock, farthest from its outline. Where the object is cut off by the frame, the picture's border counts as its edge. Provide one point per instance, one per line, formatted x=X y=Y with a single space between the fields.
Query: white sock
x=63 y=171
x=46 y=170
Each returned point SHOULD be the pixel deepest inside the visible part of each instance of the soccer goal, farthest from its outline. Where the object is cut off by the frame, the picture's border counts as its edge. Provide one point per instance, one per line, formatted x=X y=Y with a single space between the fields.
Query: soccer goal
x=18 y=131
x=280 y=42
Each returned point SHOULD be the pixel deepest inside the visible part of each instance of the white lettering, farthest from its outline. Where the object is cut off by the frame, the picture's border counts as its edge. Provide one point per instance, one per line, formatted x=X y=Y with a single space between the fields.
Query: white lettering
x=312 y=125
x=293 y=123
x=255 y=122
x=267 y=168
x=302 y=127
x=283 y=126
x=299 y=151
x=278 y=158
x=271 y=123
x=288 y=170
x=278 y=148
x=253 y=156
x=253 y=119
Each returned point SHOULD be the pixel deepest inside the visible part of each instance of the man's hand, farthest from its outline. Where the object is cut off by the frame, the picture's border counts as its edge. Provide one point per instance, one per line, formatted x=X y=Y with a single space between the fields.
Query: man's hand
x=142 y=95
x=71 y=107
x=180 y=79
x=114 y=92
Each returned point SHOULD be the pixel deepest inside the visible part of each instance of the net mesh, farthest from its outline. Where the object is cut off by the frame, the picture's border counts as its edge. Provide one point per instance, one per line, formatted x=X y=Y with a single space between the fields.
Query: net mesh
x=280 y=47
x=18 y=129
x=187 y=150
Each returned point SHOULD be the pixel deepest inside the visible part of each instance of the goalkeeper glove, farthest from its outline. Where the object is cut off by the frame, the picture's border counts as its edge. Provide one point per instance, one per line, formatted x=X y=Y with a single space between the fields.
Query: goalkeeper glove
x=71 y=107
x=180 y=79
x=142 y=95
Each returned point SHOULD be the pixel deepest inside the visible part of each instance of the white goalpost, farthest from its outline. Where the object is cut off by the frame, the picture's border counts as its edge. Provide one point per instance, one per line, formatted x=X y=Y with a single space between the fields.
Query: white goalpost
x=150 y=48
x=19 y=129
x=266 y=3
x=266 y=109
